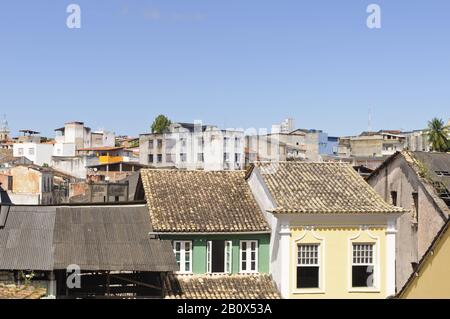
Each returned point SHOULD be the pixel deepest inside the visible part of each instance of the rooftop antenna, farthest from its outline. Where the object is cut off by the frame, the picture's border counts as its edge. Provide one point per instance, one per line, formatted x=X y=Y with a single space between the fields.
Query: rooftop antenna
x=369 y=128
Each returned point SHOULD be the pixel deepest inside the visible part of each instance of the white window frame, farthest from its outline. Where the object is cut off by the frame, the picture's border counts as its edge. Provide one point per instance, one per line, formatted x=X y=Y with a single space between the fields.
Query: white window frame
x=318 y=264
x=228 y=257
x=228 y=251
x=372 y=264
x=248 y=254
x=183 y=253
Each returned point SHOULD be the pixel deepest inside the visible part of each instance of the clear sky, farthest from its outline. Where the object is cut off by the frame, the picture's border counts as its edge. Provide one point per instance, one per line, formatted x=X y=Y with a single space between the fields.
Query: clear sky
x=234 y=63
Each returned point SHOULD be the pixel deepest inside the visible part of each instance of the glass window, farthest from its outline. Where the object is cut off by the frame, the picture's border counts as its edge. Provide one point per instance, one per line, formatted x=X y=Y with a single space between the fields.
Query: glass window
x=363 y=266
x=249 y=256
x=308 y=267
x=226 y=141
x=183 y=255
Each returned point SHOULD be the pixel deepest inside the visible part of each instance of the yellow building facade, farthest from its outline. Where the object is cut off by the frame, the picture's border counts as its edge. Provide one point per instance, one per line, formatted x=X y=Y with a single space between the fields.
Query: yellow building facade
x=333 y=236
x=431 y=281
x=335 y=246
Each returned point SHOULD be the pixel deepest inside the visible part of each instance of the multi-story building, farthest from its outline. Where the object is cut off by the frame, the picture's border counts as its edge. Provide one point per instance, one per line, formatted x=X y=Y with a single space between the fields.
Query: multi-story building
x=285 y=127
x=333 y=236
x=267 y=148
x=77 y=146
x=192 y=147
x=28 y=185
x=75 y=136
x=372 y=144
x=219 y=235
x=285 y=143
x=417 y=141
x=38 y=153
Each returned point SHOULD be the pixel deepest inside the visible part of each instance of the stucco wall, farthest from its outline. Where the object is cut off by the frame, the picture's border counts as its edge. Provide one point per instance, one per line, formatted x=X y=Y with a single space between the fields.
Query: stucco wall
x=411 y=244
x=26 y=180
x=336 y=263
x=366 y=146
x=200 y=247
x=433 y=280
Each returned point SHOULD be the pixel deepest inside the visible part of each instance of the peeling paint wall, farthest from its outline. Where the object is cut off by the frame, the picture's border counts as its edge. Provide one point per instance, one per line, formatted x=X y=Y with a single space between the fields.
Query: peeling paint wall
x=414 y=235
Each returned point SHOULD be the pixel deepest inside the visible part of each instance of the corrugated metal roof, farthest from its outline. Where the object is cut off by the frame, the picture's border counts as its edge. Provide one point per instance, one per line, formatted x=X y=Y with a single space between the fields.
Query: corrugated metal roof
x=26 y=239
x=95 y=238
x=109 y=238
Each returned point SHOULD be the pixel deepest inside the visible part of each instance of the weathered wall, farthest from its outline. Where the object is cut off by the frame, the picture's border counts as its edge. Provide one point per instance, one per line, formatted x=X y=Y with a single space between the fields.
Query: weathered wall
x=26 y=180
x=4 y=181
x=366 y=147
x=412 y=241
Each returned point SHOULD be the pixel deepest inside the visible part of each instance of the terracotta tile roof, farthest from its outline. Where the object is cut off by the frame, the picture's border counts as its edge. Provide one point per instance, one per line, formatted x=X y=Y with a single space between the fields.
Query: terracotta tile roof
x=21 y=292
x=259 y=286
x=200 y=201
x=301 y=187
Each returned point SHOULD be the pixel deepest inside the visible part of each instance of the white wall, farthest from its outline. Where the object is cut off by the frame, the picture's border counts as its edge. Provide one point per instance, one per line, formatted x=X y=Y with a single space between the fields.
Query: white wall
x=64 y=149
x=266 y=203
x=24 y=199
x=213 y=149
x=39 y=154
x=75 y=166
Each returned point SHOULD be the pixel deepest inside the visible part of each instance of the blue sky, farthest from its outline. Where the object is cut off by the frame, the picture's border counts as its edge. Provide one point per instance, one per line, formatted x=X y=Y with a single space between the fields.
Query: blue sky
x=234 y=63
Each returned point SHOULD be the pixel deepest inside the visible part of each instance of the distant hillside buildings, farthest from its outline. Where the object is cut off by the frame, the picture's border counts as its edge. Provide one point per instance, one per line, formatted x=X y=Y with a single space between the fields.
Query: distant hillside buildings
x=193 y=146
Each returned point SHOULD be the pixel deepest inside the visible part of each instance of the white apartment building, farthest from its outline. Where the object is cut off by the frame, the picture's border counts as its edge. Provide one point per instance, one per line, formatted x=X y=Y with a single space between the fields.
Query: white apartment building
x=285 y=127
x=417 y=141
x=38 y=153
x=75 y=136
x=194 y=147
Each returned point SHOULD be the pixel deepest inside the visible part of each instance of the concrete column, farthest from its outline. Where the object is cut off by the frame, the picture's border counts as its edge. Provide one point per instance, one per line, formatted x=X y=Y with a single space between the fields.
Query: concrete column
x=285 y=256
x=391 y=234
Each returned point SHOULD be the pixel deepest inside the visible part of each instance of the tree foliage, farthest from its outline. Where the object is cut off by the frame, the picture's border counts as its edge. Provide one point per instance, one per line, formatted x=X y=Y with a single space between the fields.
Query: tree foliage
x=438 y=135
x=160 y=124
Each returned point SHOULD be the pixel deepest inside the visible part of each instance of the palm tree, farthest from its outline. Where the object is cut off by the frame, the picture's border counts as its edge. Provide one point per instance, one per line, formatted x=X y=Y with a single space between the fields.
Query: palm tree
x=438 y=135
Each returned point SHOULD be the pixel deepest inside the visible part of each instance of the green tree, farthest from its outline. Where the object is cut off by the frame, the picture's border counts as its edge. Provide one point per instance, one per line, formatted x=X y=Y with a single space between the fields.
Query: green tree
x=438 y=135
x=160 y=124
